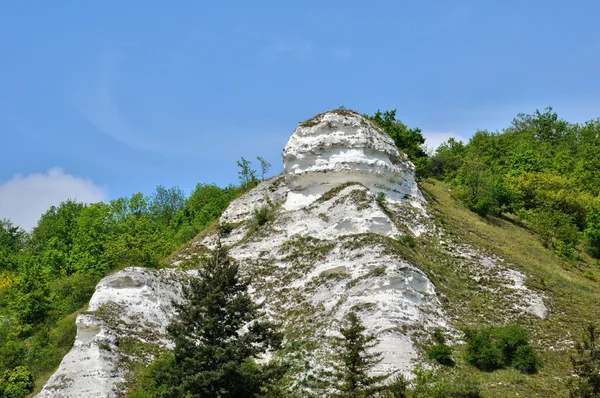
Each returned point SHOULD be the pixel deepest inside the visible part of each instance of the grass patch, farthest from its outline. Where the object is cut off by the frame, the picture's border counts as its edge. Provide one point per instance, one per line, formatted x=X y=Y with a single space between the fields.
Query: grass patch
x=572 y=299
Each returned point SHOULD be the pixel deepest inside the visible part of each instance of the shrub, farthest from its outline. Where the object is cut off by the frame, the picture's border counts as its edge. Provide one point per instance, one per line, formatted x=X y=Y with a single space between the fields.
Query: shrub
x=262 y=215
x=225 y=228
x=509 y=339
x=525 y=360
x=440 y=351
x=16 y=383
x=481 y=351
x=489 y=349
x=380 y=199
x=397 y=388
x=407 y=240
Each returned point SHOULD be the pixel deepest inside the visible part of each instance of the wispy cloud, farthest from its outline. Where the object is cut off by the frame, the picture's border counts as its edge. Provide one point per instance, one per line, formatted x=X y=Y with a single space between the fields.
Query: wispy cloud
x=288 y=48
x=23 y=199
x=97 y=103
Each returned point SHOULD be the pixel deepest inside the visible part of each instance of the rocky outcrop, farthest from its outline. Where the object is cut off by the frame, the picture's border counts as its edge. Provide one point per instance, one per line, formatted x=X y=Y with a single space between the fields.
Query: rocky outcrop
x=132 y=306
x=341 y=146
x=328 y=244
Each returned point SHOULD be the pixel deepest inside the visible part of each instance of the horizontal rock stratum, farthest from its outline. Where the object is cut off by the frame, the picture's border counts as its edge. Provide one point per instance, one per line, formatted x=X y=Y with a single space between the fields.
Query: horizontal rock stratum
x=340 y=146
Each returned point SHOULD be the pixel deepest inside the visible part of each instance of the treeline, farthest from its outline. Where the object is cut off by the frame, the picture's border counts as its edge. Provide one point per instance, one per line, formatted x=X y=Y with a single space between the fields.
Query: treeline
x=48 y=274
x=541 y=169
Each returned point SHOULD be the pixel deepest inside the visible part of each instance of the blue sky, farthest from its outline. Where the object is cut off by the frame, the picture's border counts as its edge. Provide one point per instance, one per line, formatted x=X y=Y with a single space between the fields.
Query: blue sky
x=103 y=99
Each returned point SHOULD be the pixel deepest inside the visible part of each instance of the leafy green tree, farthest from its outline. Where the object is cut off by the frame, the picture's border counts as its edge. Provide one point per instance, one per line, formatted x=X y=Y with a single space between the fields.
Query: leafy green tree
x=592 y=231
x=218 y=335
x=52 y=238
x=165 y=203
x=354 y=361
x=264 y=167
x=408 y=141
x=12 y=244
x=246 y=174
x=447 y=160
x=476 y=184
x=16 y=383
x=206 y=203
x=31 y=299
x=95 y=231
x=586 y=367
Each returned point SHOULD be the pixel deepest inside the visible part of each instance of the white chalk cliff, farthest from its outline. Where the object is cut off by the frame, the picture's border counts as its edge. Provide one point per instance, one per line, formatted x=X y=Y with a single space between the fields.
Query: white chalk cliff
x=330 y=246
x=341 y=146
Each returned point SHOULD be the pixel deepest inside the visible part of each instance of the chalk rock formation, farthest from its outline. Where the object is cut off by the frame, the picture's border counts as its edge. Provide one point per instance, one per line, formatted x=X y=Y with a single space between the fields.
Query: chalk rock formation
x=328 y=246
x=342 y=146
x=135 y=304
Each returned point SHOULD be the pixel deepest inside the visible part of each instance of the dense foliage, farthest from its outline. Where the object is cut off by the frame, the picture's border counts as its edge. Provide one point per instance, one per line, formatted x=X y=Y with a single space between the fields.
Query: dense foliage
x=48 y=274
x=541 y=169
x=489 y=349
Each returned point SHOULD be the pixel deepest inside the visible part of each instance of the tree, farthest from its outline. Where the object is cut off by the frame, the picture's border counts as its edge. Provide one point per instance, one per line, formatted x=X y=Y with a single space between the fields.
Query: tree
x=247 y=174
x=264 y=167
x=592 y=231
x=31 y=296
x=165 y=203
x=12 y=243
x=586 y=367
x=354 y=361
x=409 y=141
x=217 y=335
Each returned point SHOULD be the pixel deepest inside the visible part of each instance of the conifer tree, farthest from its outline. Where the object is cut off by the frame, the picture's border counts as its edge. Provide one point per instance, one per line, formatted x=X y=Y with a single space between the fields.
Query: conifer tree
x=217 y=335
x=354 y=361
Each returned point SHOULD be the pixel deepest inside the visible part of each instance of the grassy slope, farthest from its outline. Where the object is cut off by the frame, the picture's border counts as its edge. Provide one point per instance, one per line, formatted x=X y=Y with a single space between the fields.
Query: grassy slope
x=572 y=296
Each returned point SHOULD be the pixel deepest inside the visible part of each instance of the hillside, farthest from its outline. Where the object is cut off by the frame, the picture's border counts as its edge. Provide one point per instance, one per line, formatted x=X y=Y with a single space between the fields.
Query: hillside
x=336 y=233
x=489 y=249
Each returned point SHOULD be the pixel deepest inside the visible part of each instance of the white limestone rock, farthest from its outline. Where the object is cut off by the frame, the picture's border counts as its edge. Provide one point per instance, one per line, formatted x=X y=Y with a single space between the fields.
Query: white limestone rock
x=341 y=146
x=134 y=302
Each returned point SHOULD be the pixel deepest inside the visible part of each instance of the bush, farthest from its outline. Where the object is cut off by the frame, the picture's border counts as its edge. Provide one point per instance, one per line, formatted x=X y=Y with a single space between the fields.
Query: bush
x=489 y=349
x=407 y=240
x=440 y=351
x=16 y=383
x=481 y=351
x=397 y=388
x=262 y=215
x=225 y=228
x=509 y=339
x=525 y=360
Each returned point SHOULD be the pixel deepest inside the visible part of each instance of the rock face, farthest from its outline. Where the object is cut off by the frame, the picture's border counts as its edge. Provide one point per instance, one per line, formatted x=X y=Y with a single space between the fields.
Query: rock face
x=330 y=245
x=340 y=146
x=134 y=304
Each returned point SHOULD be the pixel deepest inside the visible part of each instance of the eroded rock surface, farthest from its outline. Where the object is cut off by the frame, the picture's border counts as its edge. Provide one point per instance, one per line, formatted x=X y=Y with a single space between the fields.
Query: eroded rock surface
x=341 y=146
x=134 y=303
x=328 y=245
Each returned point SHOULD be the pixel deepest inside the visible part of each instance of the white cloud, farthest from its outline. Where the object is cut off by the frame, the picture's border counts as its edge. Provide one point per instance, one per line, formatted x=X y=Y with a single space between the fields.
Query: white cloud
x=433 y=139
x=23 y=199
